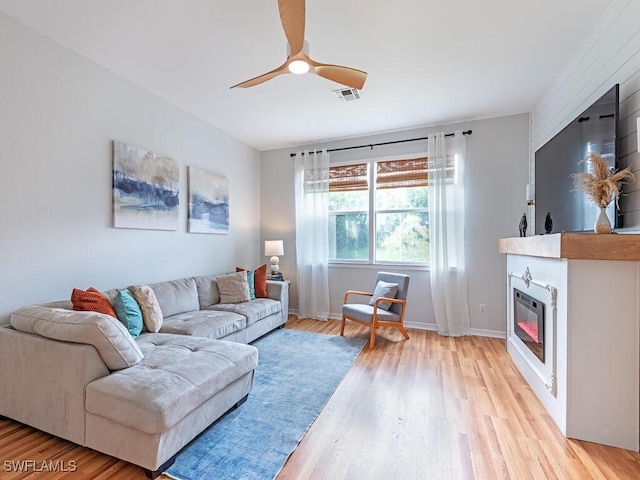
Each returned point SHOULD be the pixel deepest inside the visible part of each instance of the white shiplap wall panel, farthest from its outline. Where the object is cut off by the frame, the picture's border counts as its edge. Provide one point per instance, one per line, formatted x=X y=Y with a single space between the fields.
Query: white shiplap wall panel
x=584 y=79
x=609 y=55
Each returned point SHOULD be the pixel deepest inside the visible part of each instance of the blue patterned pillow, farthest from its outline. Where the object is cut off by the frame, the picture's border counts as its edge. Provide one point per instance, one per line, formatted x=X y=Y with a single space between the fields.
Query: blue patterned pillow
x=128 y=312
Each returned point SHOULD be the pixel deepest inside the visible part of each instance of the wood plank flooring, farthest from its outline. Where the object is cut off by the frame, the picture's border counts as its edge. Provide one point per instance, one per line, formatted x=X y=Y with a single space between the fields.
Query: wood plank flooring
x=431 y=407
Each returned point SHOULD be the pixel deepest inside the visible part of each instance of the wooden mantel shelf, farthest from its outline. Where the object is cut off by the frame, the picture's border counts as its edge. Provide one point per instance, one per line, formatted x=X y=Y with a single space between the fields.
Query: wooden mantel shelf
x=586 y=246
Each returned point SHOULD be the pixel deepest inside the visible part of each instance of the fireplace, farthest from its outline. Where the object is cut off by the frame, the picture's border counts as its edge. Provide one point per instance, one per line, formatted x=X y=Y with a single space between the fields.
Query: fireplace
x=528 y=322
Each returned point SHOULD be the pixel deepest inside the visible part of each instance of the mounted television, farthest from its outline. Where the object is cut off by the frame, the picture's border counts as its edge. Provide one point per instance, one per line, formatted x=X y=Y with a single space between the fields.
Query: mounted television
x=595 y=130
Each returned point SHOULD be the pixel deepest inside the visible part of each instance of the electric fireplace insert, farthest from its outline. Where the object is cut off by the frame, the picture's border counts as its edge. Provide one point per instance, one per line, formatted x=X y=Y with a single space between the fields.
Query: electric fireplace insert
x=528 y=322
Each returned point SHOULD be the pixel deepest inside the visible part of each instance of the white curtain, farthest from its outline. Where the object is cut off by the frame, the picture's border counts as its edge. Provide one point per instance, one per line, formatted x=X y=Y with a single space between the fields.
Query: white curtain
x=312 y=233
x=447 y=233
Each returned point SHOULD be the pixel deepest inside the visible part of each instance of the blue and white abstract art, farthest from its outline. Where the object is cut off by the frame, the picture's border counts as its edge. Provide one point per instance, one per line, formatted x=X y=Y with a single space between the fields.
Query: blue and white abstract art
x=145 y=189
x=208 y=202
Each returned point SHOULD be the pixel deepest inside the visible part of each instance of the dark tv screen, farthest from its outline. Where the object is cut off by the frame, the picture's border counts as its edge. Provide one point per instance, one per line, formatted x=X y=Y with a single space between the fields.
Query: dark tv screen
x=595 y=130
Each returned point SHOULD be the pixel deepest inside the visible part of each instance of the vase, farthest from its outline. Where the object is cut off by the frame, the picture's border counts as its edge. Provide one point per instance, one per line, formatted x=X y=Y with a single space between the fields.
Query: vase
x=602 y=225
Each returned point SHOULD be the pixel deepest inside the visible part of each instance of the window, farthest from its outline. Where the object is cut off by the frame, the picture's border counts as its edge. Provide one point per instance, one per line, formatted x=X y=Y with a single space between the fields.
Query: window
x=349 y=213
x=378 y=212
x=401 y=211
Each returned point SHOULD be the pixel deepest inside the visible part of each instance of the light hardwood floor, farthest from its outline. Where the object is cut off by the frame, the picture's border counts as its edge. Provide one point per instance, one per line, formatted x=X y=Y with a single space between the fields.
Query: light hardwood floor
x=426 y=408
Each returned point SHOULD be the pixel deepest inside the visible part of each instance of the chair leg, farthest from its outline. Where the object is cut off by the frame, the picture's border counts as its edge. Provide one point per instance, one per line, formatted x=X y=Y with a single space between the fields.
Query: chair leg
x=403 y=331
x=342 y=326
x=372 y=339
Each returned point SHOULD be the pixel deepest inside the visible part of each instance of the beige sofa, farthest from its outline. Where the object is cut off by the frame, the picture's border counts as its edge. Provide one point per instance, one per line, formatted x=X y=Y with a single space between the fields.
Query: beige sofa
x=82 y=377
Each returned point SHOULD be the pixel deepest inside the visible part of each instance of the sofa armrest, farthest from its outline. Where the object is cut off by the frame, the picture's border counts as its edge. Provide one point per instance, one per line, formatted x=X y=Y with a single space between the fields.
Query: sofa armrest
x=279 y=291
x=42 y=382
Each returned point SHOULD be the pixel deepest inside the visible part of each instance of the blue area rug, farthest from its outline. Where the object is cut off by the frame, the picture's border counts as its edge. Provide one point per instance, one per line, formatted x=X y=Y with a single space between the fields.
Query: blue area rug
x=296 y=375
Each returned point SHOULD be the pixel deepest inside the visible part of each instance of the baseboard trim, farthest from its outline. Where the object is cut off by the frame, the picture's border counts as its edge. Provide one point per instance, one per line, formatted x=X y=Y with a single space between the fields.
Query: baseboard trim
x=478 y=332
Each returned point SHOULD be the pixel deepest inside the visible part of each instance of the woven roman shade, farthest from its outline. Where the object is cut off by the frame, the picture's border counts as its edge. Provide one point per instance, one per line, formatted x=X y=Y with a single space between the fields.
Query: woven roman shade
x=412 y=172
x=348 y=178
x=408 y=173
x=402 y=173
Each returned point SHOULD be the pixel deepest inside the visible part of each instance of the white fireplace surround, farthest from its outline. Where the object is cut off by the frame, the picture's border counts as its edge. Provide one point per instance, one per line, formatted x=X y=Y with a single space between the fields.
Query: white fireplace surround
x=547 y=294
x=590 y=285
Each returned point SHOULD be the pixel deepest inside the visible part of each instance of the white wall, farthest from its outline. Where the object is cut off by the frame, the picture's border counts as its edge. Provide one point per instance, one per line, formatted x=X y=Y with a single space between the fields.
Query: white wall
x=609 y=55
x=497 y=169
x=58 y=116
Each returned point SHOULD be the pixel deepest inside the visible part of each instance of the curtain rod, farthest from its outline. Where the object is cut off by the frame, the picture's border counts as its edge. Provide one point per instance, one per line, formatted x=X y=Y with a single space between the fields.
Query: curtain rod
x=371 y=145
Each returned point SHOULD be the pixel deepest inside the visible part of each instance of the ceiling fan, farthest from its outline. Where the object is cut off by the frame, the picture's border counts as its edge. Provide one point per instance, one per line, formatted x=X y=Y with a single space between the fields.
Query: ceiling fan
x=292 y=16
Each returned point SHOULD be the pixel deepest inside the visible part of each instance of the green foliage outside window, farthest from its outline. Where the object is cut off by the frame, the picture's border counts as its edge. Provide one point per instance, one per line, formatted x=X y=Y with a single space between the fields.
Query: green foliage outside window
x=401 y=229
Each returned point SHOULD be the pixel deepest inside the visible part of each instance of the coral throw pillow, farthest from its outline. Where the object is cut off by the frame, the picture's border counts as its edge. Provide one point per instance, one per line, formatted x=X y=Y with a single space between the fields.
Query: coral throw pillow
x=259 y=281
x=91 y=300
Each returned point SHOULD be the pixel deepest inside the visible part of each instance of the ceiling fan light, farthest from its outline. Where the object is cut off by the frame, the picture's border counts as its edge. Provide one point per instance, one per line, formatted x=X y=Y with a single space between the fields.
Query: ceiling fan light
x=298 y=67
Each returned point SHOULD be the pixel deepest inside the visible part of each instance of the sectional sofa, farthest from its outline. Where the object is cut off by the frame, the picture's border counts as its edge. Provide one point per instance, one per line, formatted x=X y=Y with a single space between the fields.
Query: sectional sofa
x=81 y=376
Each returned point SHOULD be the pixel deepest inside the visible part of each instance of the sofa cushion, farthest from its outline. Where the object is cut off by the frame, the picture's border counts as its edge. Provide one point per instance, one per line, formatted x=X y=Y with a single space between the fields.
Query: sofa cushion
x=176 y=296
x=128 y=312
x=233 y=287
x=253 y=311
x=177 y=375
x=204 y=323
x=151 y=312
x=110 y=338
x=208 y=292
x=91 y=300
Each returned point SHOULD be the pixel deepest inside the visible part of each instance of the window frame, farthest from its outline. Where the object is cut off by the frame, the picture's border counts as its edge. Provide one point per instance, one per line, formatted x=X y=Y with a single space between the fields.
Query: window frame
x=373 y=213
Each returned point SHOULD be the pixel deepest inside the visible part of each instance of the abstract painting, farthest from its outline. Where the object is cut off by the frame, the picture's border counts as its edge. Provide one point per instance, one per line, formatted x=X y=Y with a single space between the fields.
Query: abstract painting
x=208 y=202
x=145 y=189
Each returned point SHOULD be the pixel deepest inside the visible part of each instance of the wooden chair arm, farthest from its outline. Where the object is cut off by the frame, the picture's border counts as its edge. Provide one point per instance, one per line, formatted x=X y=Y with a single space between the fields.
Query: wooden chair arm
x=390 y=300
x=356 y=292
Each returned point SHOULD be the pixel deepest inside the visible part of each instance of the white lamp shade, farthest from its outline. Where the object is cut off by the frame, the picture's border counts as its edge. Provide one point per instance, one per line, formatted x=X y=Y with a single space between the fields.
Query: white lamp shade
x=273 y=247
x=530 y=193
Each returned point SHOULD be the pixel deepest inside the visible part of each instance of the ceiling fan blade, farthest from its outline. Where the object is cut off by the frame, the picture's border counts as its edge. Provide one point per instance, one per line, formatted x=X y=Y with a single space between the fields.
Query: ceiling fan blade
x=350 y=77
x=292 y=13
x=264 y=77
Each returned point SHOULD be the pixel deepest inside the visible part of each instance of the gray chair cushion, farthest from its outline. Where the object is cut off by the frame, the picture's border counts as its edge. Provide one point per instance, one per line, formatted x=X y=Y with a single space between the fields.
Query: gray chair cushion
x=365 y=313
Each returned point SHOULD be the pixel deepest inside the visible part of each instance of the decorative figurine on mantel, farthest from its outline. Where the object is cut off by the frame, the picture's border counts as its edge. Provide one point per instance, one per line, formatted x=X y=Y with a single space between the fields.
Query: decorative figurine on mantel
x=548 y=224
x=523 y=225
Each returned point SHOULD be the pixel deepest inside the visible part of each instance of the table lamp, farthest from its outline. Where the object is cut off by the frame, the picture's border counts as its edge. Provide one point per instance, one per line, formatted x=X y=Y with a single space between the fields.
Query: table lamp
x=273 y=248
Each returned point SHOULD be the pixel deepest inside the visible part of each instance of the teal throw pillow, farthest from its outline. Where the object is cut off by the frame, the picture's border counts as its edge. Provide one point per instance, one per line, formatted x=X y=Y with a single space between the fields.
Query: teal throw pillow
x=252 y=287
x=128 y=312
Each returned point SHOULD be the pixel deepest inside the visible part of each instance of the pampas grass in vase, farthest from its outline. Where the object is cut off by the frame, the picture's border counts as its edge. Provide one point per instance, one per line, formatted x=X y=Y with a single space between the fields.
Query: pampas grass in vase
x=602 y=186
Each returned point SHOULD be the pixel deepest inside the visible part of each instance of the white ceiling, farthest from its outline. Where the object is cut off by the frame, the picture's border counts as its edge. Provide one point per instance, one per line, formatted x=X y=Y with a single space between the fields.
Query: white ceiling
x=429 y=62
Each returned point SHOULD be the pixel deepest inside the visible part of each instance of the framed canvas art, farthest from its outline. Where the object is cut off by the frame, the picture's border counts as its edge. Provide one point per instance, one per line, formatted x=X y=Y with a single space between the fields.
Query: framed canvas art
x=145 y=189
x=208 y=202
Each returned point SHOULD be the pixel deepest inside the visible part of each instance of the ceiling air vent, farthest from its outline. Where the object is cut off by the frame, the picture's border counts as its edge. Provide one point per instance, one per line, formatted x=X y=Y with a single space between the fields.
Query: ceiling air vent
x=347 y=94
